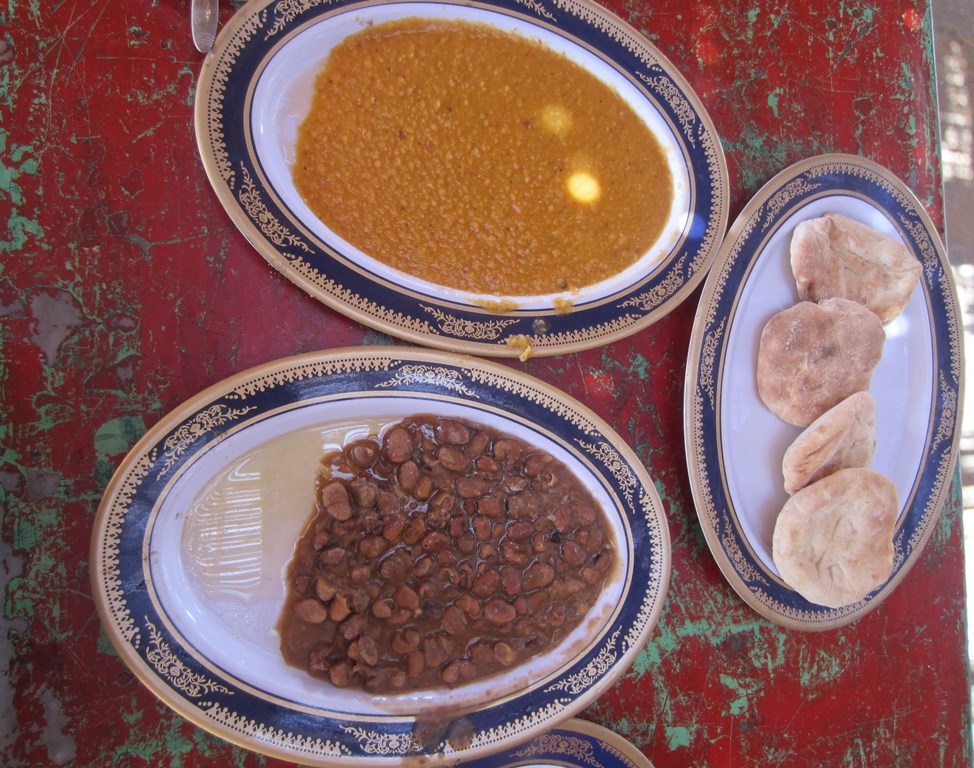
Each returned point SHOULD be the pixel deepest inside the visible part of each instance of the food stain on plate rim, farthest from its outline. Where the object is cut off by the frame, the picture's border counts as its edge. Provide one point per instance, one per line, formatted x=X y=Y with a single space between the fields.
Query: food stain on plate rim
x=249 y=104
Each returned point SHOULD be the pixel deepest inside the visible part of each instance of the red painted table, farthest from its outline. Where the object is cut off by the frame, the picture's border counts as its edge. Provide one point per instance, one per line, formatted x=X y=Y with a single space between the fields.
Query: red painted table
x=125 y=289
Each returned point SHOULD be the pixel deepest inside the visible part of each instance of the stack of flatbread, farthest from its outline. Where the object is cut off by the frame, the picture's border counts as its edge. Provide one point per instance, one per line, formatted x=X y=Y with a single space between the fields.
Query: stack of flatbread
x=833 y=539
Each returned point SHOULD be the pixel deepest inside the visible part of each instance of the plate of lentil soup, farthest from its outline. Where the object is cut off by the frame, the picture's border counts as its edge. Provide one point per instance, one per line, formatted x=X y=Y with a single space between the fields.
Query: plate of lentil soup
x=371 y=554
x=555 y=186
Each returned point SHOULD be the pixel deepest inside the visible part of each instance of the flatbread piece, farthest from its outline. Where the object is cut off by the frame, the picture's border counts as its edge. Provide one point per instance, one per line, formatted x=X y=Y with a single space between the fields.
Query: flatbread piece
x=813 y=356
x=835 y=256
x=842 y=437
x=833 y=540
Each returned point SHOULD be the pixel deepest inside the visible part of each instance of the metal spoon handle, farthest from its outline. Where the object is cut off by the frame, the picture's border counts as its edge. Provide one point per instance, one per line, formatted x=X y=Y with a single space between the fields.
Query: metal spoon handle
x=204 y=17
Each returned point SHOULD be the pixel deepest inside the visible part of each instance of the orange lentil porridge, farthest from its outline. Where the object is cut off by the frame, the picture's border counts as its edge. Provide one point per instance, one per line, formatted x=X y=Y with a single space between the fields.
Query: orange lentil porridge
x=480 y=160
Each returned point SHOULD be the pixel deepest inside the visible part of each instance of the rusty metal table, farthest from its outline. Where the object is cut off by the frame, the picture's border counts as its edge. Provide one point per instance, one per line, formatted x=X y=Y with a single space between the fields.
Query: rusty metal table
x=125 y=289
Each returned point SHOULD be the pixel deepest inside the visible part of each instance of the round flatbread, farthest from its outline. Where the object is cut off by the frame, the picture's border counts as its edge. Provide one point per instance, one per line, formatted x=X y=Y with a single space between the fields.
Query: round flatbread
x=844 y=436
x=835 y=256
x=813 y=356
x=833 y=540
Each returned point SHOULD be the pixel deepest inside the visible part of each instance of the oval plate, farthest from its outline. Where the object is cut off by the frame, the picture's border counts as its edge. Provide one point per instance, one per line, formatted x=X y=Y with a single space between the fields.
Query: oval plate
x=237 y=118
x=190 y=589
x=575 y=744
x=735 y=445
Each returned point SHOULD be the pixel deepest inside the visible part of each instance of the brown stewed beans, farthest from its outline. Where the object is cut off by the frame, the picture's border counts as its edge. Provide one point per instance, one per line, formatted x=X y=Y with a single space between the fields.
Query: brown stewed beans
x=442 y=553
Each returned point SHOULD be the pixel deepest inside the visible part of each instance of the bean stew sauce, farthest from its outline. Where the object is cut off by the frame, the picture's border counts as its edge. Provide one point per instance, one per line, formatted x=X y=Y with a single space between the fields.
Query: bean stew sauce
x=438 y=554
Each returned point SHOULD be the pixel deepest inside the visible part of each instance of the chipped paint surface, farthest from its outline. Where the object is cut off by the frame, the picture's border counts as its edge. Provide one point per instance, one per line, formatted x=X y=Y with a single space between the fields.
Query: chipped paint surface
x=125 y=289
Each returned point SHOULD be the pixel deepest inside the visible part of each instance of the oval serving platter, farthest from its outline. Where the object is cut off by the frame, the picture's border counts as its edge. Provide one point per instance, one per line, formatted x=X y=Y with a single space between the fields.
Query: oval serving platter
x=195 y=531
x=735 y=445
x=254 y=90
x=575 y=744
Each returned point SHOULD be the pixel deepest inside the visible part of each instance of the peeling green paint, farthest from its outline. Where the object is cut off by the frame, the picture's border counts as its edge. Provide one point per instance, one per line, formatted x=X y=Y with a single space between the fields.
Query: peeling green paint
x=739 y=705
x=664 y=641
x=118 y=436
x=131 y=715
x=678 y=736
x=168 y=740
x=16 y=161
x=820 y=669
x=773 y=100
x=104 y=645
x=640 y=366
x=25 y=535
x=137 y=36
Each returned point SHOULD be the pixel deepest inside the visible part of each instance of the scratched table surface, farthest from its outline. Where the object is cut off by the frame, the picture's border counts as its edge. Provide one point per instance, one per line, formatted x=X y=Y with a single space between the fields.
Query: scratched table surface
x=125 y=289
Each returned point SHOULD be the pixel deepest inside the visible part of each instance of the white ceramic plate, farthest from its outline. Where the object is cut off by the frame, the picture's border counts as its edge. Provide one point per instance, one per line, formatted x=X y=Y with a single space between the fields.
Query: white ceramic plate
x=255 y=89
x=735 y=444
x=575 y=744
x=196 y=529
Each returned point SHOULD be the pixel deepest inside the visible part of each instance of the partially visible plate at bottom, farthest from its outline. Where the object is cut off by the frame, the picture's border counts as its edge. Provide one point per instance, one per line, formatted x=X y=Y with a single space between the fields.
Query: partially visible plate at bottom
x=735 y=444
x=575 y=744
